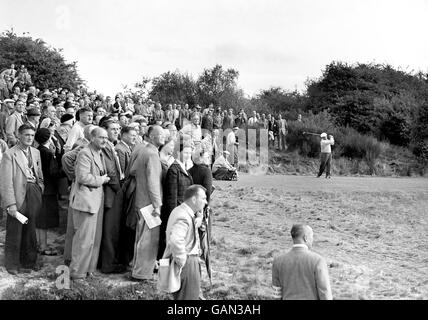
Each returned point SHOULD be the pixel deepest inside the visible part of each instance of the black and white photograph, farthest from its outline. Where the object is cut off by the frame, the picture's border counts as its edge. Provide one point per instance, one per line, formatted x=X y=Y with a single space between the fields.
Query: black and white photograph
x=220 y=150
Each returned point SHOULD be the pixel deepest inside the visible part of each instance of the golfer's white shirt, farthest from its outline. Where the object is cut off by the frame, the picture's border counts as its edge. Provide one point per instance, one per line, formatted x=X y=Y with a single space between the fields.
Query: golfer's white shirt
x=326 y=145
x=300 y=245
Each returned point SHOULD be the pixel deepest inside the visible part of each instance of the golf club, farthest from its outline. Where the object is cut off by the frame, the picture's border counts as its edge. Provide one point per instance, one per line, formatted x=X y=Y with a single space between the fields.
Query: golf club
x=312 y=133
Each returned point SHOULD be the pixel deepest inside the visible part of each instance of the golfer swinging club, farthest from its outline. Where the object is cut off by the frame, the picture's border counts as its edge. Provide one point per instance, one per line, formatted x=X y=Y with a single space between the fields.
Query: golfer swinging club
x=325 y=155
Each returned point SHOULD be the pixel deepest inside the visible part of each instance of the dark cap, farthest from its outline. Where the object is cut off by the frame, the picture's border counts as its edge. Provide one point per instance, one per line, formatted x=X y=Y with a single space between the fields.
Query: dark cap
x=42 y=135
x=32 y=112
x=66 y=117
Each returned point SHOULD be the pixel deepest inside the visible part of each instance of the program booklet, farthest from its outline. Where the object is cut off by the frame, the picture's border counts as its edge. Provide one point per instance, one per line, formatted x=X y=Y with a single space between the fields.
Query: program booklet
x=151 y=221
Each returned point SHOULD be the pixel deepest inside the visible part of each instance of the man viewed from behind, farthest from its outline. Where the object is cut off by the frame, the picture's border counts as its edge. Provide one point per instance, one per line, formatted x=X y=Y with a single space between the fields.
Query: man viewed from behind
x=301 y=274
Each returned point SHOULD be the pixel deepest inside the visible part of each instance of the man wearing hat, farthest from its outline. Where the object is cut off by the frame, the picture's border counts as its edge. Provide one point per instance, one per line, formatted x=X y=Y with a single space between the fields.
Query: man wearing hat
x=222 y=169
x=6 y=110
x=33 y=118
x=13 y=122
x=325 y=155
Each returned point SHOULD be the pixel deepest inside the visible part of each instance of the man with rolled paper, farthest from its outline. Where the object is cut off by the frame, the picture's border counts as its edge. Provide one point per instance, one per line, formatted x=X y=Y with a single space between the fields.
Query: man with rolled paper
x=21 y=193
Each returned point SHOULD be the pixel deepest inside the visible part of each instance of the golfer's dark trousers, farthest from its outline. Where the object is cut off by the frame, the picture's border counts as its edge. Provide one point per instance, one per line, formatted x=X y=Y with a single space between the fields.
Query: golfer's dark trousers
x=21 y=240
x=190 y=280
x=325 y=164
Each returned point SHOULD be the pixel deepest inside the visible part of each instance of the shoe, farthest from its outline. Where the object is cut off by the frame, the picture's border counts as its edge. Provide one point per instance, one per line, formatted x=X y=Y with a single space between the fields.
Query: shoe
x=48 y=252
x=328 y=177
x=13 y=272
x=318 y=176
x=92 y=275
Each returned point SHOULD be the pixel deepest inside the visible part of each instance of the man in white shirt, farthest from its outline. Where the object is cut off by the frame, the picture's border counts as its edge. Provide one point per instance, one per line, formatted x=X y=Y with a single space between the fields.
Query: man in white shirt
x=182 y=240
x=193 y=130
x=232 y=146
x=76 y=133
x=325 y=155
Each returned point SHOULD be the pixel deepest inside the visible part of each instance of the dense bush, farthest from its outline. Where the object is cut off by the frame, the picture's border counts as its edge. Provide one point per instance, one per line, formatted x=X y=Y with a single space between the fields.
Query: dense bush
x=46 y=65
x=373 y=99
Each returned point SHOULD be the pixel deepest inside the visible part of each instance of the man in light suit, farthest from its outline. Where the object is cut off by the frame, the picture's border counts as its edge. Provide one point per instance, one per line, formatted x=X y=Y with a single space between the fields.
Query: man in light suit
x=147 y=171
x=87 y=200
x=15 y=120
x=301 y=274
x=183 y=243
x=68 y=162
x=21 y=191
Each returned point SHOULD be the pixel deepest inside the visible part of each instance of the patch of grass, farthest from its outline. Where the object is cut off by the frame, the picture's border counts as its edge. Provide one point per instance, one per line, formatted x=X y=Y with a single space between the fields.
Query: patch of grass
x=90 y=290
x=247 y=250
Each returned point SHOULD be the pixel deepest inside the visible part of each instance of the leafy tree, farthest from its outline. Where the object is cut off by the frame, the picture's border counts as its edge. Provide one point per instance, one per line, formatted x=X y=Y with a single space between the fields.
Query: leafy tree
x=287 y=103
x=173 y=87
x=46 y=65
x=218 y=86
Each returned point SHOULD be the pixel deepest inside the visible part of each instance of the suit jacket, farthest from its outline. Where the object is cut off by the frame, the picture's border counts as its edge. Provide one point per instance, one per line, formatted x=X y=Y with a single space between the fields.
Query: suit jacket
x=113 y=171
x=3 y=117
x=147 y=171
x=302 y=274
x=124 y=154
x=68 y=162
x=87 y=192
x=13 y=175
x=177 y=180
x=13 y=123
x=181 y=234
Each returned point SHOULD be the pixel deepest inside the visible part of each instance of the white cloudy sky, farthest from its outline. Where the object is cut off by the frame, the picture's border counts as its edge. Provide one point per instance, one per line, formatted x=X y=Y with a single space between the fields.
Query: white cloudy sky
x=271 y=43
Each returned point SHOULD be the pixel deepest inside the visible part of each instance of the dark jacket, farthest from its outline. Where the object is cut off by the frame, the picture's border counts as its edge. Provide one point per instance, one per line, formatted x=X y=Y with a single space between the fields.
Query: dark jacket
x=113 y=172
x=207 y=122
x=124 y=155
x=50 y=170
x=201 y=174
x=176 y=183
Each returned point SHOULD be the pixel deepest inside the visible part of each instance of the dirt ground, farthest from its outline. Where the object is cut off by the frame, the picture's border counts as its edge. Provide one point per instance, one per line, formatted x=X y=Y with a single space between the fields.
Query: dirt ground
x=372 y=232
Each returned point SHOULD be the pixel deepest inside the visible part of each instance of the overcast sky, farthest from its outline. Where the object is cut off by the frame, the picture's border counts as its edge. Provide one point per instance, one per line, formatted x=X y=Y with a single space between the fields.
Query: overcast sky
x=271 y=43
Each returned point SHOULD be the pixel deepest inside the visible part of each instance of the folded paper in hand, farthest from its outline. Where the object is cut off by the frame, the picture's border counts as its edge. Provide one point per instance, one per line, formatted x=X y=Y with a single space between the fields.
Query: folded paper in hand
x=21 y=218
x=151 y=221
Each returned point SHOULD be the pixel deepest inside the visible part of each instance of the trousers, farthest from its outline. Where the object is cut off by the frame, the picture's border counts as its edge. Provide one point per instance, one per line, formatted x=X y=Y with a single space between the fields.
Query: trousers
x=21 y=240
